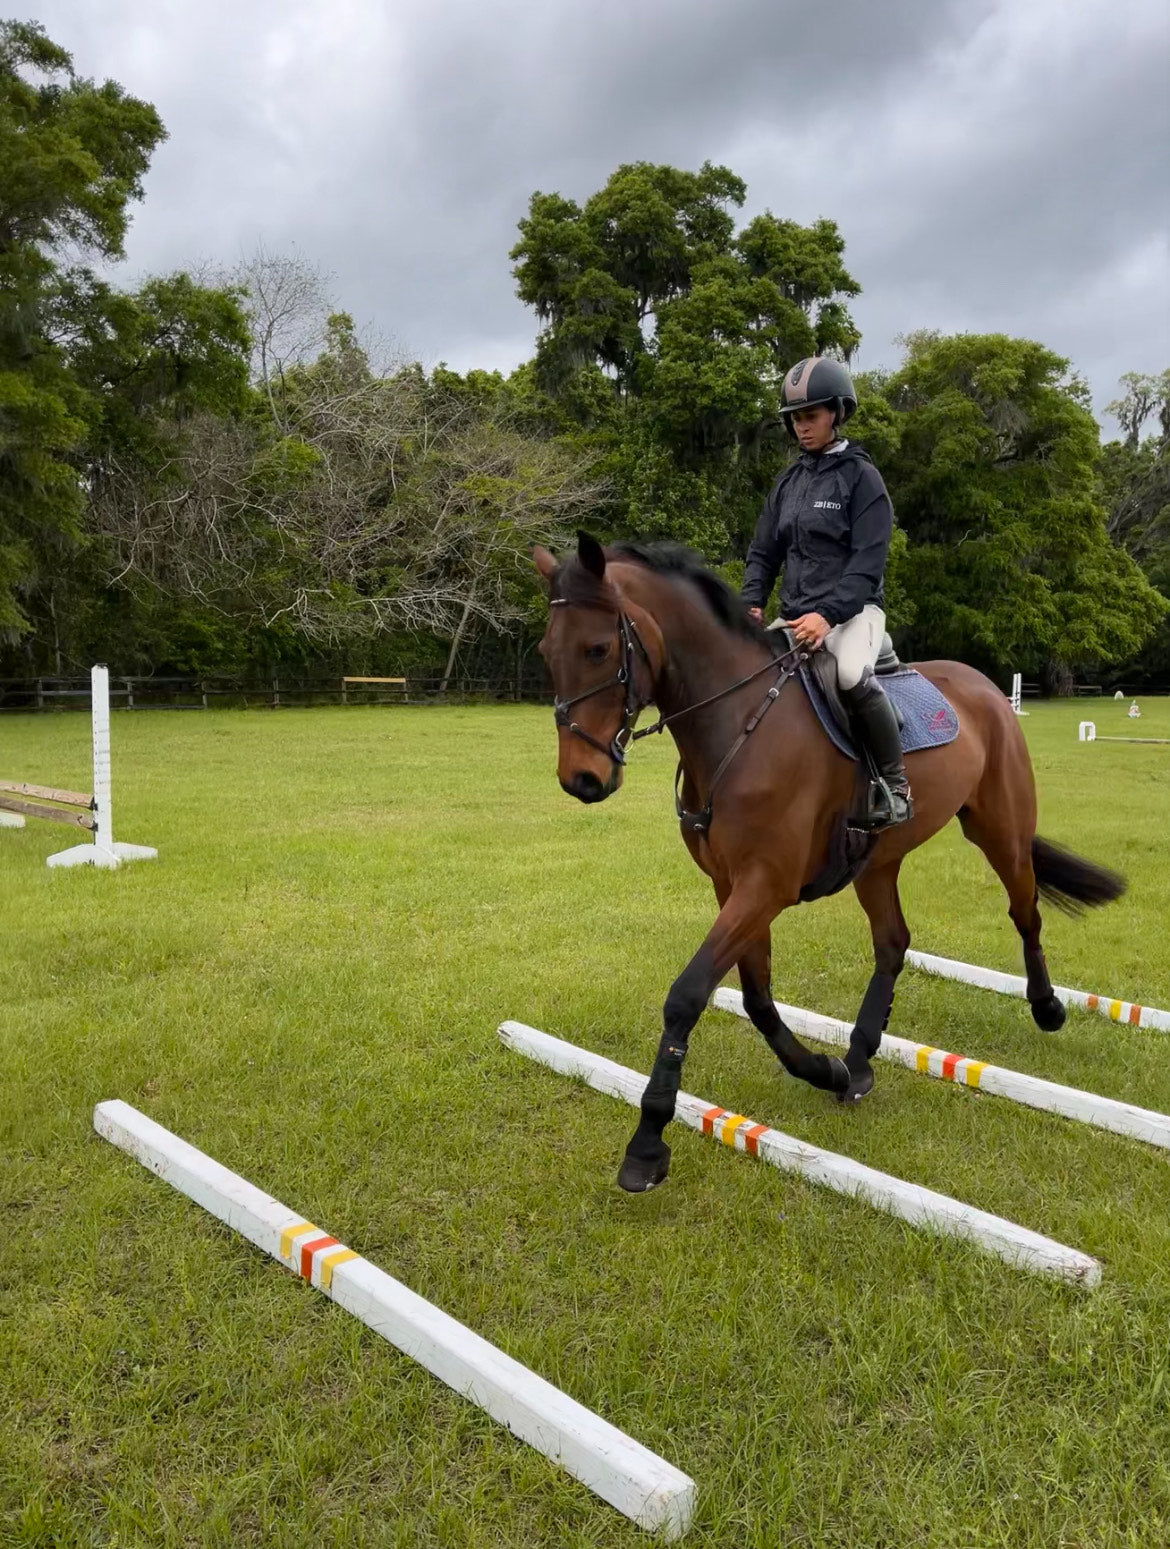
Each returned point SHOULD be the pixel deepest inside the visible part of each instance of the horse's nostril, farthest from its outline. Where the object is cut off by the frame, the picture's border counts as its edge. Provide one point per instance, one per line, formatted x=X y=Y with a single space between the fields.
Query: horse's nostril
x=585 y=786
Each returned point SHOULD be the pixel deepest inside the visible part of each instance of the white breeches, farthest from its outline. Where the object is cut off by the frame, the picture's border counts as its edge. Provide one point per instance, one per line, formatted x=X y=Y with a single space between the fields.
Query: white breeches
x=856 y=644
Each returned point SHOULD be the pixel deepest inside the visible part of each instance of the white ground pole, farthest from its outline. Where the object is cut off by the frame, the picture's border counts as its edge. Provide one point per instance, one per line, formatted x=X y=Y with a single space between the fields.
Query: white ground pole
x=1012 y=984
x=921 y=1207
x=1032 y=1091
x=103 y=851
x=1087 y=732
x=640 y=1484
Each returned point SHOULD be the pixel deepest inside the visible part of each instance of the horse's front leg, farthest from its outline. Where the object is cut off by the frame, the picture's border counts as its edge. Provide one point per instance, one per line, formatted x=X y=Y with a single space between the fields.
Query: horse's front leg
x=647 y=1158
x=748 y=909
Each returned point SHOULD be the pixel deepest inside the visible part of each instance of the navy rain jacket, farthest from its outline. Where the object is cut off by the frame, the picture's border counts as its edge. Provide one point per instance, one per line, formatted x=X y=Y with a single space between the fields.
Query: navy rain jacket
x=828 y=522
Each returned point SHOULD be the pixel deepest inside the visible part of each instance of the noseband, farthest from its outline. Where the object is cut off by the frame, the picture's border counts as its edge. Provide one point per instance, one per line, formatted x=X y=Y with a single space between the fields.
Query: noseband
x=628 y=638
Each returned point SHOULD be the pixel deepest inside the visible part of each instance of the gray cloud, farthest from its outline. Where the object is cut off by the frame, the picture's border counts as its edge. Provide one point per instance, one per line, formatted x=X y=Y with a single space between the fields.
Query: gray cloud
x=993 y=166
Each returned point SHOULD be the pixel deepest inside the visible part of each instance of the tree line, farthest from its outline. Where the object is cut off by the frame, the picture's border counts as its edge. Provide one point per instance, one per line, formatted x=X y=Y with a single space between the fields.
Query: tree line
x=212 y=471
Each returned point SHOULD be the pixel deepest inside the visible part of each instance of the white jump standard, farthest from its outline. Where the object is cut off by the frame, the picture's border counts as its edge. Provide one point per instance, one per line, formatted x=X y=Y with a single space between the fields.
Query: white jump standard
x=1031 y=1091
x=640 y=1484
x=1012 y=984
x=90 y=811
x=919 y=1206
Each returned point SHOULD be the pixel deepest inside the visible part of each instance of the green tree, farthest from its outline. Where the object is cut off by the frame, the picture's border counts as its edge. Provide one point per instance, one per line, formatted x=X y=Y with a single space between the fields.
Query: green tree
x=72 y=157
x=1009 y=561
x=1135 y=490
x=647 y=287
x=597 y=274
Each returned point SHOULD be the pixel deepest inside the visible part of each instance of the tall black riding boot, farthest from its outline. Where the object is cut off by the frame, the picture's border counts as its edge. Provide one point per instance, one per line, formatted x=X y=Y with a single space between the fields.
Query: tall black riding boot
x=876 y=727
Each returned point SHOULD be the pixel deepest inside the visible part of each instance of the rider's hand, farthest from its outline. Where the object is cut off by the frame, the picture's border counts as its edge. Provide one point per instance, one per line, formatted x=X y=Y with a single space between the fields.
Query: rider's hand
x=757 y=614
x=810 y=629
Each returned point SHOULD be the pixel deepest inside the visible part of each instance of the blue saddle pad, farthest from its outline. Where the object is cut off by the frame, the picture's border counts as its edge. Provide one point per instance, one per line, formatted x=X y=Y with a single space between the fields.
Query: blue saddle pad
x=928 y=720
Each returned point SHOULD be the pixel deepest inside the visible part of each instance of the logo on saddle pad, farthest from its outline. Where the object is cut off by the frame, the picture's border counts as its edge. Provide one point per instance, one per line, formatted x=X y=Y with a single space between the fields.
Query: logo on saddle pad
x=826 y=505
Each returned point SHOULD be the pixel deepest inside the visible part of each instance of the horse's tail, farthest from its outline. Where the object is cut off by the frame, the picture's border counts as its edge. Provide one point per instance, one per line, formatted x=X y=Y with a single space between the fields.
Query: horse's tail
x=1069 y=882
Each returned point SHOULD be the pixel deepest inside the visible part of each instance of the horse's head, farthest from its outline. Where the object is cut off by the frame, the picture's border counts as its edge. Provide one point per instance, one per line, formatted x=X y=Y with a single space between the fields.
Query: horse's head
x=604 y=653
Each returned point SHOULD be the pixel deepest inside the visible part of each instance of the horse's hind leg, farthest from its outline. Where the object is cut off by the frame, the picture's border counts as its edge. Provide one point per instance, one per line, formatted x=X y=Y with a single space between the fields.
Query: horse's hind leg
x=877 y=892
x=740 y=920
x=1009 y=853
x=755 y=975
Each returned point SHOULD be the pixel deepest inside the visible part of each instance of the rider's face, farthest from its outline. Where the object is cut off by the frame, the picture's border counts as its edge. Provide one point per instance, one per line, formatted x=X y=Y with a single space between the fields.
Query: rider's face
x=815 y=428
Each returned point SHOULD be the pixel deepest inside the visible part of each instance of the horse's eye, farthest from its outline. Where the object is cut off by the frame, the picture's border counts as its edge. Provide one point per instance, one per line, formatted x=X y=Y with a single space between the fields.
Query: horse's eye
x=596 y=653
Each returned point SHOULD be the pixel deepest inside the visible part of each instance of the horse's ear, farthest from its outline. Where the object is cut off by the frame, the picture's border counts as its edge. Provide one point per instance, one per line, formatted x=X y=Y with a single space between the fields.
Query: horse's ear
x=544 y=562
x=591 y=554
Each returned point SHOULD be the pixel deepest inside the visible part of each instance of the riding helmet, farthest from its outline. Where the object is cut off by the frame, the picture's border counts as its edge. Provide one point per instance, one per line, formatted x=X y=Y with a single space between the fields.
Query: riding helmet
x=817 y=380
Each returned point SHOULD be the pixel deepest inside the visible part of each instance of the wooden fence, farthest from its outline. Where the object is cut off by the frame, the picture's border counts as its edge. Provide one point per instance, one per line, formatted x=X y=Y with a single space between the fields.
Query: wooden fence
x=278 y=692
x=416 y=685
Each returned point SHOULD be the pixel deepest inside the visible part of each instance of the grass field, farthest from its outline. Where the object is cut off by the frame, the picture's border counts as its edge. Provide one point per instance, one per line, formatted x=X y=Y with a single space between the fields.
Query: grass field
x=307 y=984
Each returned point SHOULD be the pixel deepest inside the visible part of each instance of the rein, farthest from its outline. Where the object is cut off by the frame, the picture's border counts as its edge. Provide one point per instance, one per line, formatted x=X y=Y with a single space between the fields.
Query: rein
x=786 y=664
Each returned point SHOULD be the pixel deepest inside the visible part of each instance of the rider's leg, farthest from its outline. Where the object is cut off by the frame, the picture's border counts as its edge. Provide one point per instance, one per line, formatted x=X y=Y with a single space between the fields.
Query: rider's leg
x=856 y=645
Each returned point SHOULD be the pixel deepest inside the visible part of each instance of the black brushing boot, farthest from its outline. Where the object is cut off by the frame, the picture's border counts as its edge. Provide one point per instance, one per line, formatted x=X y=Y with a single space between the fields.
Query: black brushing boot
x=876 y=728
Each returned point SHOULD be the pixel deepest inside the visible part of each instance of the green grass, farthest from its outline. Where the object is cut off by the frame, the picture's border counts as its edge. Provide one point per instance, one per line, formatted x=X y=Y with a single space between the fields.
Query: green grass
x=307 y=985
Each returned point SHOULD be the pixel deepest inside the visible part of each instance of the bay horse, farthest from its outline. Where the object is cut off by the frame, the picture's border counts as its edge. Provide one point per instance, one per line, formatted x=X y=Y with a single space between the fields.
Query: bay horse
x=762 y=794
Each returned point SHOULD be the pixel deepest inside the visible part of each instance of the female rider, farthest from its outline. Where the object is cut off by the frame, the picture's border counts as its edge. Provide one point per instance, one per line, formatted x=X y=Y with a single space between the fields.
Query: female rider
x=828 y=522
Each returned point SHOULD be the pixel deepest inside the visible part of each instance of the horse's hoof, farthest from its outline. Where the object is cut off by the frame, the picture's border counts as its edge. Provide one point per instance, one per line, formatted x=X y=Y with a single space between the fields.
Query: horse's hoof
x=1048 y=1014
x=636 y=1176
x=859 y=1087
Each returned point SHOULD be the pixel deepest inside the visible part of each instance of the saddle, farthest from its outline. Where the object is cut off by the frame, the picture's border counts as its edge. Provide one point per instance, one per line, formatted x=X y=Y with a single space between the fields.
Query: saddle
x=925 y=720
x=821 y=669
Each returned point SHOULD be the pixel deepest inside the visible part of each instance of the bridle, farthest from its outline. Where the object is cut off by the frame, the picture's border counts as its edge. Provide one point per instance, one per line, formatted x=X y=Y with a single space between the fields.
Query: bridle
x=628 y=638
x=786 y=663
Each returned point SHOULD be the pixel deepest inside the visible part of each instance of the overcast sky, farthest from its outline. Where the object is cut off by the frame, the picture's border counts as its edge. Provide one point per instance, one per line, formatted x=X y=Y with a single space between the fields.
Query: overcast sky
x=994 y=165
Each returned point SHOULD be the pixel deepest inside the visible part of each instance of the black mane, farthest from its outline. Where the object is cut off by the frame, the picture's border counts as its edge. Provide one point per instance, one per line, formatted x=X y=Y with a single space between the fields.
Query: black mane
x=673 y=559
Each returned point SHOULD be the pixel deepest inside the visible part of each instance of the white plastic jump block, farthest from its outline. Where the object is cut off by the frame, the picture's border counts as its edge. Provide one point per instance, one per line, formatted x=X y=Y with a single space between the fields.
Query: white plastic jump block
x=103 y=852
x=913 y=1203
x=641 y=1485
x=1013 y=984
x=1032 y=1091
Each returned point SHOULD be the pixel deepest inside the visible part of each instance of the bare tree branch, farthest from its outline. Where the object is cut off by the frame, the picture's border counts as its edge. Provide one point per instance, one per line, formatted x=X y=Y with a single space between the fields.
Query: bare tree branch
x=386 y=505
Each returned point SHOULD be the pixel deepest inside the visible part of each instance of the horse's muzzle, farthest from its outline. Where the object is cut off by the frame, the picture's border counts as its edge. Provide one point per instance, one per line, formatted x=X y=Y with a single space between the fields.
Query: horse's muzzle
x=587 y=787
